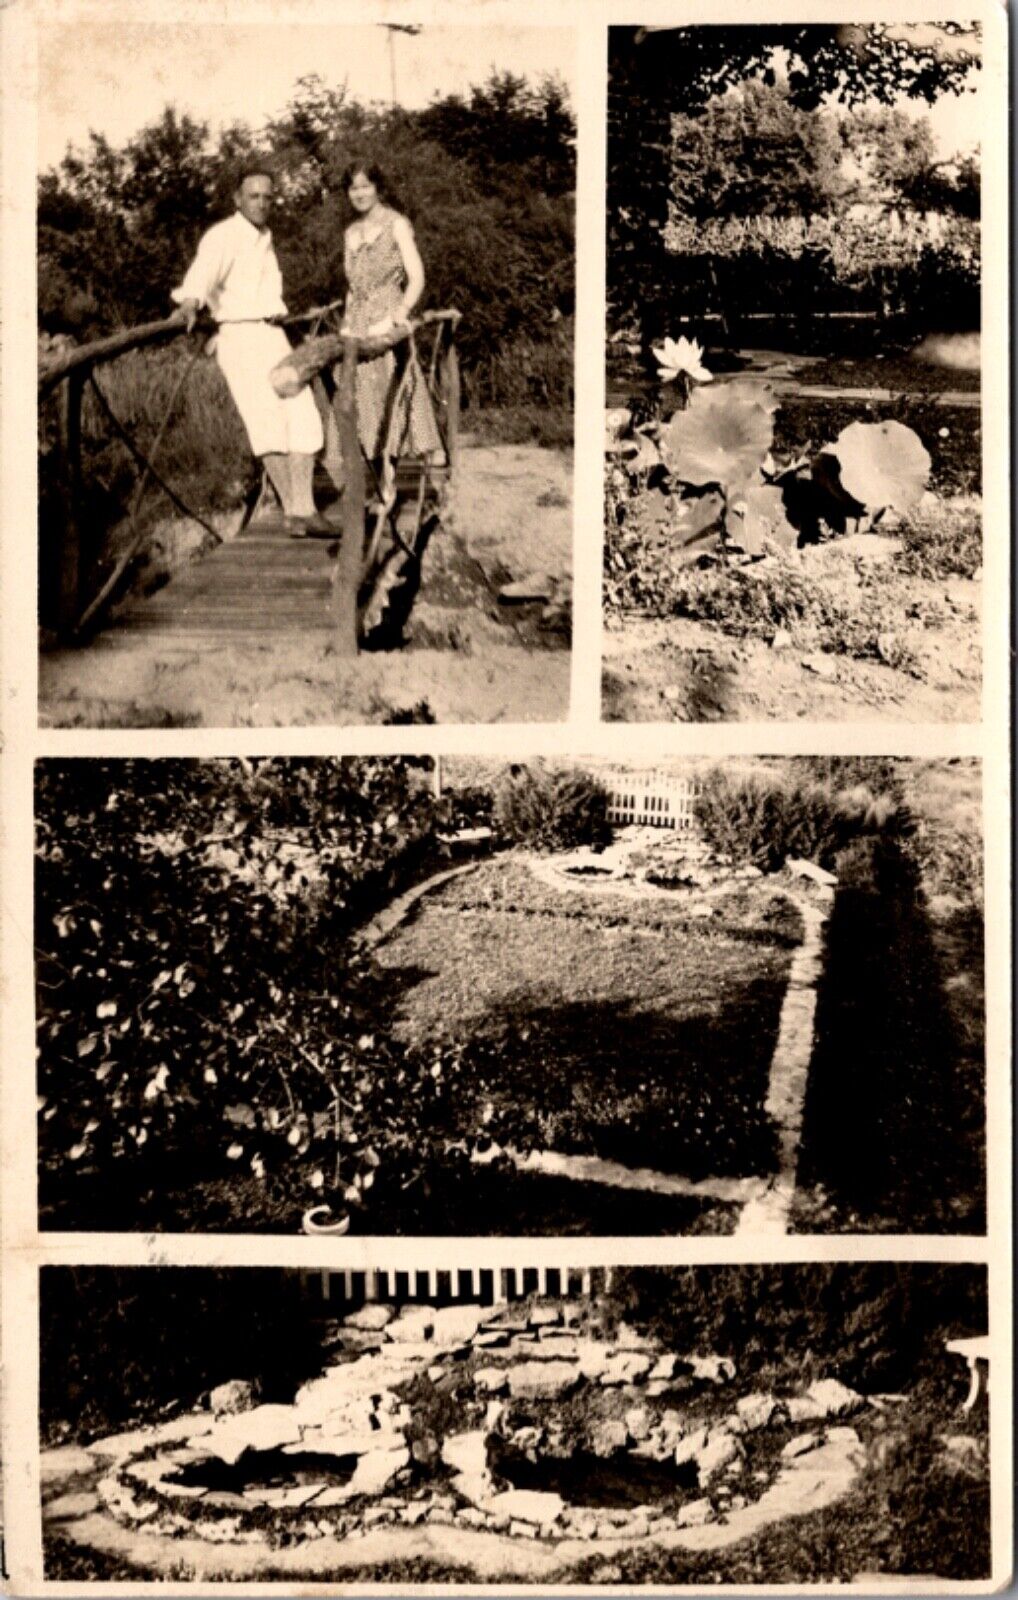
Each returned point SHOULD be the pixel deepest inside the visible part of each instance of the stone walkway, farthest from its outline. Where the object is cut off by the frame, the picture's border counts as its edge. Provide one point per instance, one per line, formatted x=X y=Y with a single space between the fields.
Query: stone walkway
x=137 y=1495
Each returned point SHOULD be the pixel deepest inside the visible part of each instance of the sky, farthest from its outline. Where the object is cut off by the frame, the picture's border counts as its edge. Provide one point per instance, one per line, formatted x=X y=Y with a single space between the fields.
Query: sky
x=114 y=77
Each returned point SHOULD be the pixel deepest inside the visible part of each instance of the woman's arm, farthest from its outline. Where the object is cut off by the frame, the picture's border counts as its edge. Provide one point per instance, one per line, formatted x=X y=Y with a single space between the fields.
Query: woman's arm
x=413 y=266
x=347 y=259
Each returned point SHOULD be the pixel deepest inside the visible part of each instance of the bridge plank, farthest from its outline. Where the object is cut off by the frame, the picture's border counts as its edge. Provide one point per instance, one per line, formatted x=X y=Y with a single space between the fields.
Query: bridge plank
x=259 y=584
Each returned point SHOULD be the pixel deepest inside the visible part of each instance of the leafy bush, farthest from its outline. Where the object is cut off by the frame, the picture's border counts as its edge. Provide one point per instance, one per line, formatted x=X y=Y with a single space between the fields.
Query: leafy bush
x=763 y=820
x=200 y=998
x=551 y=809
x=873 y=1325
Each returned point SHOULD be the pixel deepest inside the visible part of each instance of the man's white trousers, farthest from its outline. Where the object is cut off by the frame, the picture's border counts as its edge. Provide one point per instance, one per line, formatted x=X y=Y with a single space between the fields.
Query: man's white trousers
x=247 y=353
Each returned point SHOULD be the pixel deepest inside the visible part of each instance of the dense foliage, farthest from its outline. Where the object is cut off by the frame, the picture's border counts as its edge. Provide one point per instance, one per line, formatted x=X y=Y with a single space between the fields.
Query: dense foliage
x=114 y=1349
x=674 y=143
x=765 y=819
x=487 y=179
x=871 y=1326
x=551 y=809
x=199 y=992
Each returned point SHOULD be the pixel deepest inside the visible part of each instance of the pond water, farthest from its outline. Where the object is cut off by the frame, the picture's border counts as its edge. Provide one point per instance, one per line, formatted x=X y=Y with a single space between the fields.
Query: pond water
x=267 y=1469
x=584 y=1479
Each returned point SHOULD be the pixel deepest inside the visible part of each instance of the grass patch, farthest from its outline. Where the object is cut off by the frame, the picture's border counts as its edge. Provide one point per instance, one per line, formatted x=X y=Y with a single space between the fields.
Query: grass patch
x=942 y=541
x=594 y=1036
x=548 y=426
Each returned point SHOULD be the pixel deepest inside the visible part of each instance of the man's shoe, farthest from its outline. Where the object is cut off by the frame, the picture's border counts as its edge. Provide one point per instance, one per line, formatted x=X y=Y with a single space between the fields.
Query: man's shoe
x=314 y=527
x=319 y=527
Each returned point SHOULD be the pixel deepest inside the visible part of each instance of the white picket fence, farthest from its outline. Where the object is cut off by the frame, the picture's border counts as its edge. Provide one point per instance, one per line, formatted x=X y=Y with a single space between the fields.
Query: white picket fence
x=657 y=799
x=496 y=1285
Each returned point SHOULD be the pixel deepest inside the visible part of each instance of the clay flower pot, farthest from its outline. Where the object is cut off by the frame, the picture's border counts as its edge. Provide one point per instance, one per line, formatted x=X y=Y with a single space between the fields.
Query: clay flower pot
x=322 y=1219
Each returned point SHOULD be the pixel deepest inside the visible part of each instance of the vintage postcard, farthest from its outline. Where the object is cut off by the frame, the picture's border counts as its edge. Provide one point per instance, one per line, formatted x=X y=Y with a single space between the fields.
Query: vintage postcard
x=506 y=797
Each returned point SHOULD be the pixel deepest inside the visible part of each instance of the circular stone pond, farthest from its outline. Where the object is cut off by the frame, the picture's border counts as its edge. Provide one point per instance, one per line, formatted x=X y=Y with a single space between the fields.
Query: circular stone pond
x=569 y=1438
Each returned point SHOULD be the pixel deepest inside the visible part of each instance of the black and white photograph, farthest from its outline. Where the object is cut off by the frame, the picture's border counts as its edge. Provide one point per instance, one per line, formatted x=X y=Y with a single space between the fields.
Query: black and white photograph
x=779 y=1424
x=434 y=997
x=305 y=321
x=794 y=451
x=506 y=958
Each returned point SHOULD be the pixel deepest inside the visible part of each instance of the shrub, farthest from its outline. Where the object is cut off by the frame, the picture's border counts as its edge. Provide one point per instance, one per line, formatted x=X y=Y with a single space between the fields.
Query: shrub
x=763 y=819
x=112 y=1346
x=551 y=810
x=201 y=996
x=873 y=1325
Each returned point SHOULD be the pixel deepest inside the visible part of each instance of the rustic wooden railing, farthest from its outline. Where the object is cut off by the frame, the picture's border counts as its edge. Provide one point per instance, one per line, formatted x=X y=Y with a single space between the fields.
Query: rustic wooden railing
x=73 y=609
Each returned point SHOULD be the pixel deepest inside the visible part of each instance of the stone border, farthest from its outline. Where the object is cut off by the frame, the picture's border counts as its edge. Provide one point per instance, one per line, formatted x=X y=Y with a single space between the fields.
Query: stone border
x=768 y=1212
x=533 y=1352
x=389 y=918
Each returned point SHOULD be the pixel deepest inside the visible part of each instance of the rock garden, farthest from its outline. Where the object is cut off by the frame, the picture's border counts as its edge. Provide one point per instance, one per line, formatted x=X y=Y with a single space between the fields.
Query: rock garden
x=777 y=1423
x=562 y=1436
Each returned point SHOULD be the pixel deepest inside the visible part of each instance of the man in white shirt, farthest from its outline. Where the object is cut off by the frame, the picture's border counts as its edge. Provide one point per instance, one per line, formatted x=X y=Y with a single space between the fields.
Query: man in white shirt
x=236 y=276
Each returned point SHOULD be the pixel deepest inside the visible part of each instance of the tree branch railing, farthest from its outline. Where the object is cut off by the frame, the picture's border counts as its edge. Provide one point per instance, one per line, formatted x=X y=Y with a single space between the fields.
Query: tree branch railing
x=76 y=367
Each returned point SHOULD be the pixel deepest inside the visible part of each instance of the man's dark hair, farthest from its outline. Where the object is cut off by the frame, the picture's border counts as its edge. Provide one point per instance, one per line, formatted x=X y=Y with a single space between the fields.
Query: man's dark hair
x=254 y=169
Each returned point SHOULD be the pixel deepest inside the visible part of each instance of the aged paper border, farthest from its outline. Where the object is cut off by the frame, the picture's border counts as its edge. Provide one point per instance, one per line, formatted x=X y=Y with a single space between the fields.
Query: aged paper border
x=24 y=1248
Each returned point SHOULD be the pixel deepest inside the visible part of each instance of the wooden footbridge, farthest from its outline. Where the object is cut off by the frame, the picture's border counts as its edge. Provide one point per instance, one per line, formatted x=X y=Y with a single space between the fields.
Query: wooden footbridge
x=355 y=587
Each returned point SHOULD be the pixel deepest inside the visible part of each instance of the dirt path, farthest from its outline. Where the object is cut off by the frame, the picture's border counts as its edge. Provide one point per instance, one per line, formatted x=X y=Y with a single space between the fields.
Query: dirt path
x=675 y=670
x=467 y=658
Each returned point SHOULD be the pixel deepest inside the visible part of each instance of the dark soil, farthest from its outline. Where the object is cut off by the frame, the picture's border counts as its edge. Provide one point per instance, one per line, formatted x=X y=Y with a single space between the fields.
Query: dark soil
x=584 y=1479
x=266 y=1469
x=190 y=1194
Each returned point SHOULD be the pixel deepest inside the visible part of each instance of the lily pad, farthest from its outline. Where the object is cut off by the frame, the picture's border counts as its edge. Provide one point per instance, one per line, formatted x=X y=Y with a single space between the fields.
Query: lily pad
x=757 y=518
x=722 y=437
x=882 y=464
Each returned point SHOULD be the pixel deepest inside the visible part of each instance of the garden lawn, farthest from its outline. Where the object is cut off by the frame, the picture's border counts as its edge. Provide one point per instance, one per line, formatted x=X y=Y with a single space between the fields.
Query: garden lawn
x=596 y=1024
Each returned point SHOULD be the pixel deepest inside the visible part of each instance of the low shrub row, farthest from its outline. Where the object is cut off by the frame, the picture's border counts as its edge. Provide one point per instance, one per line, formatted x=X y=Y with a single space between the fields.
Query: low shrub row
x=764 y=819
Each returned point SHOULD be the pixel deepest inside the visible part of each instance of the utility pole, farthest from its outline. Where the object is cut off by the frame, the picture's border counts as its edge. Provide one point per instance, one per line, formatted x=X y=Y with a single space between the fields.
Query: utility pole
x=392 y=28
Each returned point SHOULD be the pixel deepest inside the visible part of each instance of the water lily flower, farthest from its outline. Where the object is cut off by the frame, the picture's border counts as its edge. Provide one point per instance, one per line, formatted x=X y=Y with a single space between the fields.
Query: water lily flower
x=681 y=355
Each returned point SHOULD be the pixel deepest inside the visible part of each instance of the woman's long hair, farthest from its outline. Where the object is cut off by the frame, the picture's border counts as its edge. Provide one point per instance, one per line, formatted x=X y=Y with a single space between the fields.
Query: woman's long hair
x=361 y=166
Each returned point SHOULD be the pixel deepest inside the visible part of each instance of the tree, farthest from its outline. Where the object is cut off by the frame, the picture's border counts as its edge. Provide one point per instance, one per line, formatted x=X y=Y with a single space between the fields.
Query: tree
x=656 y=73
x=753 y=152
x=487 y=179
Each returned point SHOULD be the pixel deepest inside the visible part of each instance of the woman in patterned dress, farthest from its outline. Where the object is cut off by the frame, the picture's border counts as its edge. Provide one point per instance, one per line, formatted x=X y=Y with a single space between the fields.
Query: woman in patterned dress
x=386 y=280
